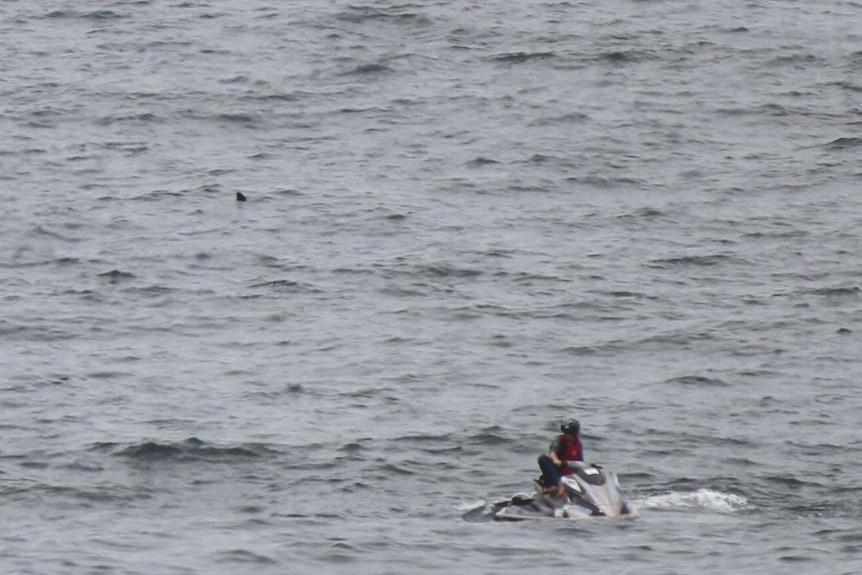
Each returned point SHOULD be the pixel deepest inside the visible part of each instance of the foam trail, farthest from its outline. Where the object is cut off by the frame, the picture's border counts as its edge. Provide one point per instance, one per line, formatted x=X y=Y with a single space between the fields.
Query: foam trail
x=702 y=499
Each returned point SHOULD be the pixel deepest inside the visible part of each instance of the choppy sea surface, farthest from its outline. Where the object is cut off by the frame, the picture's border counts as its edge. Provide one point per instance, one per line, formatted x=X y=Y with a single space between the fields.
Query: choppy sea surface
x=465 y=222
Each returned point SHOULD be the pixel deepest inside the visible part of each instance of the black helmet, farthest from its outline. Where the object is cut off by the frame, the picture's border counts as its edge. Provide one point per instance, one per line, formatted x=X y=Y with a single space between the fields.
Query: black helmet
x=572 y=427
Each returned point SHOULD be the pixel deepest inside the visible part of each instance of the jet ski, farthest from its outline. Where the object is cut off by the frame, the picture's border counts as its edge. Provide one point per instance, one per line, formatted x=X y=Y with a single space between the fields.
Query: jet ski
x=590 y=493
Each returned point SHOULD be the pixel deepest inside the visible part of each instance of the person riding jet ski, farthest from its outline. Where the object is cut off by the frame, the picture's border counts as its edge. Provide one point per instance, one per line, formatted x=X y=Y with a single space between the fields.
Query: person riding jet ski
x=565 y=448
x=569 y=488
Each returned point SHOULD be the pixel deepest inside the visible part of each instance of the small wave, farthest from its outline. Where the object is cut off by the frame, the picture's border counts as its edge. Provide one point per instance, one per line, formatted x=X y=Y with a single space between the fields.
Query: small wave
x=699 y=261
x=489 y=436
x=697 y=380
x=245 y=556
x=192 y=449
x=132 y=118
x=605 y=181
x=396 y=15
x=644 y=213
x=844 y=143
x=853 y=291
x=543 y=159
x=286 y=286
x=582 y=350
x=443 y=270
x=102 y=15
x=94 y=15
x=626 y=294
x=802 y=61
x=570 y=118
x=521 y=57
x=33 y=332
x=702 y=499
x=482 y=161
x=153 y=291
x=846 y=85
x=368 y=70
x=244 y=119
x=95 y=494
x=627 y=56
x=116 y=276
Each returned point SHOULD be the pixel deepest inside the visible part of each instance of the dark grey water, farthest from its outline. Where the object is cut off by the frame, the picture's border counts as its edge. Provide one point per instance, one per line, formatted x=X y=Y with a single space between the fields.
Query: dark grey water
x=465 y=222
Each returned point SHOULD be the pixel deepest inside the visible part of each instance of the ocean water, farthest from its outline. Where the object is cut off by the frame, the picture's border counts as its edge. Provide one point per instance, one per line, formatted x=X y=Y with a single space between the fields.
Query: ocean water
x=465 y=222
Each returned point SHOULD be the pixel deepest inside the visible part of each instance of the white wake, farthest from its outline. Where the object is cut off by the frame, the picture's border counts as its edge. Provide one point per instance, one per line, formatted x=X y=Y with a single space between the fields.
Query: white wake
x=702 y=499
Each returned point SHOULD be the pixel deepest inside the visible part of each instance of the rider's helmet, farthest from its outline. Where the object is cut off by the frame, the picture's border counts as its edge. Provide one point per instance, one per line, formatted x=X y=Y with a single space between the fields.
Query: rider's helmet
x=571 y=427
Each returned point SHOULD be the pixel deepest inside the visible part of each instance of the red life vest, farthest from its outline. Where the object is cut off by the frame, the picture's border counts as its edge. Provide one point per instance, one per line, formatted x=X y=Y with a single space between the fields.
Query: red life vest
x=572 y=451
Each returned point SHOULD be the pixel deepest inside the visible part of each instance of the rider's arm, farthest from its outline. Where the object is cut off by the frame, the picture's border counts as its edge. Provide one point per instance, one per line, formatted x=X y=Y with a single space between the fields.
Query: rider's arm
x=556 y=452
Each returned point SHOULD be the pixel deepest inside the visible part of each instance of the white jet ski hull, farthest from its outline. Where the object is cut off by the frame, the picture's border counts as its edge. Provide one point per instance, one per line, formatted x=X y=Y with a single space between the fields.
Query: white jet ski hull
x=591 y=493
